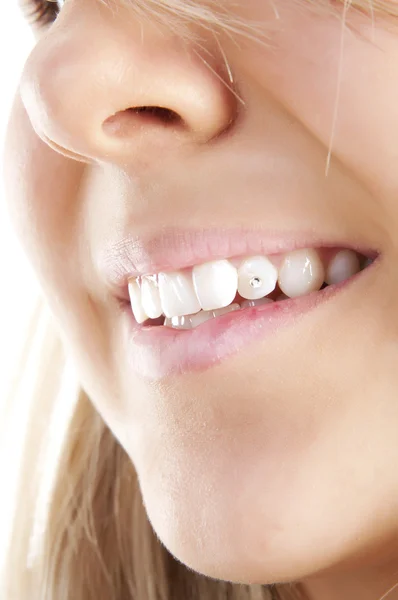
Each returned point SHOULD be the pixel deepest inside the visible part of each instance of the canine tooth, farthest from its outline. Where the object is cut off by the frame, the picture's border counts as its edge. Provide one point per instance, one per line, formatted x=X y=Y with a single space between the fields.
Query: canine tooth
x=135 y=300
x=177 y=294
x=150 y=297
x=225 y=310
x=301 y=272
x=258 y=302
x=215 y=283
x=257 y=277
x=342 y=266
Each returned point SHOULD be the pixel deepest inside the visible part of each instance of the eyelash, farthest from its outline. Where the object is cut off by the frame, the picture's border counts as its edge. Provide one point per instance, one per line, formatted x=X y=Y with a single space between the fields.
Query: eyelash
x=41 y=12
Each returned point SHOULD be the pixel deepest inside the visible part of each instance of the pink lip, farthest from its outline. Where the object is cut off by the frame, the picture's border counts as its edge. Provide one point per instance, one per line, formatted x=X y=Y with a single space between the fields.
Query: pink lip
x=158 y=352
x=174 y=249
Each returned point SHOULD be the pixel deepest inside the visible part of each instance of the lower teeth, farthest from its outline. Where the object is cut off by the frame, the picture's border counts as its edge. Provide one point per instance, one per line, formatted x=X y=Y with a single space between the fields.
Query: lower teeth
x=193 y=321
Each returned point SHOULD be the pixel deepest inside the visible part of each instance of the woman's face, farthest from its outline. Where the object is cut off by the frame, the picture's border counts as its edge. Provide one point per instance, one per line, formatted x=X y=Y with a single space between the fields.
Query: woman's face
x=265 y=440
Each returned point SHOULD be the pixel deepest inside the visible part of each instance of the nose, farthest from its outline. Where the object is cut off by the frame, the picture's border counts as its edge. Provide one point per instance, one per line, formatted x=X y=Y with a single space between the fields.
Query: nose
x=106 y=86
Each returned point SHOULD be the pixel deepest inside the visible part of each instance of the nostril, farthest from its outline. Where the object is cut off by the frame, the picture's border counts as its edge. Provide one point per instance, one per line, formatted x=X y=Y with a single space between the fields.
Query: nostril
x=124 y=122
x=165 y=115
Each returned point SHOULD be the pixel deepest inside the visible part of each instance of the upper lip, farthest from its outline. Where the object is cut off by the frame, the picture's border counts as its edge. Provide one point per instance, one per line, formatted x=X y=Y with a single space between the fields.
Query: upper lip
x=176 y=249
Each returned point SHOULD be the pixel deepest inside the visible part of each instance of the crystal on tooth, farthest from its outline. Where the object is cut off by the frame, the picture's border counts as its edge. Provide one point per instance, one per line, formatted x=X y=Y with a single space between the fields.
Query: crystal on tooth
x=215 y=284
x=257 y=277
x=135 y=300
x=177 y=294
x=150 y=297
x=342 y=266
x=301 y=272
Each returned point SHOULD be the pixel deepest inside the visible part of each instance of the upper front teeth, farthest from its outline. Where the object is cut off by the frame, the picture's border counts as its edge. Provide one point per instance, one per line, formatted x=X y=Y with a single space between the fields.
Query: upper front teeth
x=177 y=294
x=257 y=277
x=150 y=297
x=214 y=285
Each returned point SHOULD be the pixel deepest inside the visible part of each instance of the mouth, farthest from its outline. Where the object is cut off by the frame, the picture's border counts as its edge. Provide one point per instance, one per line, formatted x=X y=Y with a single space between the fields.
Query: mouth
x=186 y=320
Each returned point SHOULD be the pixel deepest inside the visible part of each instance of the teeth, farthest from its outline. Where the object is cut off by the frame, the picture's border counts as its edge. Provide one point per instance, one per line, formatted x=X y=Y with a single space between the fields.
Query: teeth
x=259 y=302
x=302 y=272
x=189 y=321
x=344 y=264
x=192 y=321
x=189 y=298
x=183 y=322
x=225 y=310
x=257 y=277
x=150 y=297
x=215 y=284
x=177 y=294
x=135 y=300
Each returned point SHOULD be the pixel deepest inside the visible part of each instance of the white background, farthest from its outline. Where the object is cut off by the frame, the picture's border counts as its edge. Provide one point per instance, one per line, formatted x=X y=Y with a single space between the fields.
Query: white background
x=18 y=289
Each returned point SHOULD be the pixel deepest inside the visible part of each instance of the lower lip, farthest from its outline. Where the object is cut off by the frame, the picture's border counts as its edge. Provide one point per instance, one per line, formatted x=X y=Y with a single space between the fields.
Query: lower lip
x=158 y=352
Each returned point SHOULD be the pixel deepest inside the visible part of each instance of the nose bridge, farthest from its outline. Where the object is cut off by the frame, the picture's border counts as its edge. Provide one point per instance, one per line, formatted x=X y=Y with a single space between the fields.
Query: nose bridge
x=88 y=85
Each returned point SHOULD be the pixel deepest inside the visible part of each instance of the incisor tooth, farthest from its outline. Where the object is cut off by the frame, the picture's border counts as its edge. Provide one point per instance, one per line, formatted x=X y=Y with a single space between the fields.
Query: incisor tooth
x=150 y=297
x=135 y=300
x=257 y=277
x=201 y=317
x=215 y=284
x=177 y=294
x=342 y=266
x=189 y=321
x=301 y=272
x=224 y=311
x=258 y=302
x=181 y=322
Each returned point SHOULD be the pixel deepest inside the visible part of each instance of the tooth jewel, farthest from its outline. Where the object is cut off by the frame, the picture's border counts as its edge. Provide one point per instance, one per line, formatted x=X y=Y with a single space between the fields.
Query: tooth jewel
x=215 y=284
x=301 y=272
x=135 y=300
x=150 y=297
x=177 y=294
x=257 y=277
x=342 y=266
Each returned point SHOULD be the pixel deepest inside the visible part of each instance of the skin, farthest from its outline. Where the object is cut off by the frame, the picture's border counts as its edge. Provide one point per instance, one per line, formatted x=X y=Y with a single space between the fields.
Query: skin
x=278 y=464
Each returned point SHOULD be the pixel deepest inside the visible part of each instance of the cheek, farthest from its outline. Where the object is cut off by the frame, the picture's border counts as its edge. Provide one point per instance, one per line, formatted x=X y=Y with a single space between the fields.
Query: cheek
x=41 y=190
x=340 y=82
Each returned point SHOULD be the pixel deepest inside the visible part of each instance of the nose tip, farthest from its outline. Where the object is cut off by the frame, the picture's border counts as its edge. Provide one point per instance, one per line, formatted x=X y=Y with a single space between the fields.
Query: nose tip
x=120 y=90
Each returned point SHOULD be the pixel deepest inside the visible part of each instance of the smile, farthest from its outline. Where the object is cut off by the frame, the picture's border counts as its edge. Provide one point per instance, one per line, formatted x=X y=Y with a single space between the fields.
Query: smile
x=186 y=320
x=188 y=298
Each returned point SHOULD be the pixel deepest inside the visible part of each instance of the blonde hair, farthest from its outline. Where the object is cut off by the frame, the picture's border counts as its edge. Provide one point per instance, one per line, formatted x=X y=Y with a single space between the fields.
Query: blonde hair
x=79 y=530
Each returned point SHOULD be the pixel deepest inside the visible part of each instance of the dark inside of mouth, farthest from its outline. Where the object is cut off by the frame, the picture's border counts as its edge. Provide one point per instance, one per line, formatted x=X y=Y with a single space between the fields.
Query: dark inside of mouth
x=364 y=260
